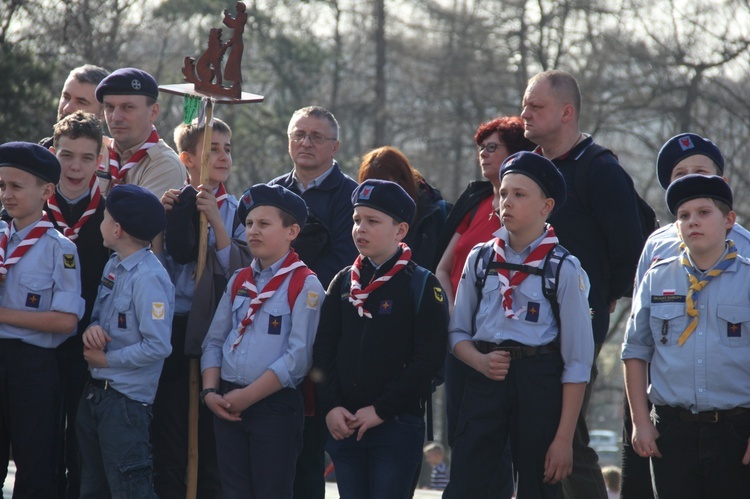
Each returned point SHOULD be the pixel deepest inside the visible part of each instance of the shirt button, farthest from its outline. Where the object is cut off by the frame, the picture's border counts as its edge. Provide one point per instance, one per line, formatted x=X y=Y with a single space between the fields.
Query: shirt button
x=702 y=307
x=700 y=361
x=534 y=295
x=700 y=333
x=700 y=390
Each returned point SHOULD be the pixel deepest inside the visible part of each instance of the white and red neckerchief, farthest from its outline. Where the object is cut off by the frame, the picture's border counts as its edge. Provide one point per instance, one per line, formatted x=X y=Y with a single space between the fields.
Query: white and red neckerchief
x=118 y=171
x=291 y=262
x=221 y=192
x=535 y=259
x=72 y=232
x=32 y=237
x=357 y=295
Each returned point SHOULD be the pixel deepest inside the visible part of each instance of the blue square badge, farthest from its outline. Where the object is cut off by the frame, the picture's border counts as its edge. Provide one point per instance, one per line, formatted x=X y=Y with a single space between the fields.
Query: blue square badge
x=32 y=300
x=532 y=311
x=734 y=330
x=385 y=307
x=366 y=192
x=274 y=324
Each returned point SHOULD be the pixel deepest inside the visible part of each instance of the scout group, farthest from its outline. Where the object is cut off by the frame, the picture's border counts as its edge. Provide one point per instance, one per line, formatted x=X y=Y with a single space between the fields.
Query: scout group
x=327 y=310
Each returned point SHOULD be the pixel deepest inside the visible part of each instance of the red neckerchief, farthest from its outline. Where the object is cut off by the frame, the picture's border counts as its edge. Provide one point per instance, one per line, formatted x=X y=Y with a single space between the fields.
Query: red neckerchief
x=72 y=232
x=291 y=262
x=118 y=171
x=357 y=295
x=32 y=237
x=221 y=192
x=535 y=259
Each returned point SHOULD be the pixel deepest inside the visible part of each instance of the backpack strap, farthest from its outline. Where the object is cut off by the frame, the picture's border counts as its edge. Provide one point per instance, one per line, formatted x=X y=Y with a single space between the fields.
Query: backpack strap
x=417 y=285
x=241 y=277
x=550 y=278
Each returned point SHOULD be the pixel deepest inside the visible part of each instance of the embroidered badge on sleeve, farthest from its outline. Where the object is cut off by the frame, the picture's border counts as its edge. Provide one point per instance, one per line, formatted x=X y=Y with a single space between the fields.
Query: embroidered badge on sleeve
x=312 y=300
x=157 y=311
x=69 y=260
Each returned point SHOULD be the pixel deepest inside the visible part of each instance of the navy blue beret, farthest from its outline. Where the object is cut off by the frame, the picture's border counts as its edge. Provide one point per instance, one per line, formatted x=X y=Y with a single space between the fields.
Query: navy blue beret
x=128 y=81
x=273 y=195
x=683 y=146
x=32 y=158
x=385 y=196
x=697 y=186
x=138 y=211
x=540 y=170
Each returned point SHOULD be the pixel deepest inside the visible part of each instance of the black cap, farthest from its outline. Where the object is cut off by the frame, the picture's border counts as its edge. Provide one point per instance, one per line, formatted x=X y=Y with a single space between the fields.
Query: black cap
x=697 y=186
x=683 y=146
x=128 y=81
x=272 y=195
x=31 y=158
x=385 y=196
x=540 y=170
x=138 y=211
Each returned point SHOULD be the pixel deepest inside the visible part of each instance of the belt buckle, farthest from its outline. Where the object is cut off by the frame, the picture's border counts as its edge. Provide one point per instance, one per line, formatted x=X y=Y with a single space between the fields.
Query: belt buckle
x=715 y=418
x=515 y=352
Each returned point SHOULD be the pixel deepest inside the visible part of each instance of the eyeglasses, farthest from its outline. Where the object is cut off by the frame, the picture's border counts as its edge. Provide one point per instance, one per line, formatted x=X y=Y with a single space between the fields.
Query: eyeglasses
x=316 y=138
x=490 y=147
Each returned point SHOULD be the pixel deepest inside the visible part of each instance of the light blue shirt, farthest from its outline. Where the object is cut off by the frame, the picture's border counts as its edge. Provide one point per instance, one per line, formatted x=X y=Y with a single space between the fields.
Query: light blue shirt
x=134 y=306
x=313 y=183
x=47 y=278
x=711 y=370
x=183 y=276
x=285 y=348
x=532 y=328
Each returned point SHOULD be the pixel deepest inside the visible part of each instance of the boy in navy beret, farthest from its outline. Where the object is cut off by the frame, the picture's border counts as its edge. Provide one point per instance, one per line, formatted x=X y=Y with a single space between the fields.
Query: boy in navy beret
x=40 y=305
x=683 y=154
x=532 y=356
x=259 y=349
x=686 y=349
x=125 y=346
x=380 y=342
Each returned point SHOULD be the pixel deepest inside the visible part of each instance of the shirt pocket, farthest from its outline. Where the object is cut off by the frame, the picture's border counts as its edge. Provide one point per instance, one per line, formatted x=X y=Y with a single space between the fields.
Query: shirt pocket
x=667 y=321
x=36 y=290
x=531 y=305
x=275 y=315
x=734 y=325
x=123 y=314
x=490 y=289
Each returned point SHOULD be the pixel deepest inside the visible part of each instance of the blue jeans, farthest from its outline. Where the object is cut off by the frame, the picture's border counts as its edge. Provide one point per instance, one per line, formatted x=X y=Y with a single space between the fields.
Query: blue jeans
x=381 y=465
x=115 y=450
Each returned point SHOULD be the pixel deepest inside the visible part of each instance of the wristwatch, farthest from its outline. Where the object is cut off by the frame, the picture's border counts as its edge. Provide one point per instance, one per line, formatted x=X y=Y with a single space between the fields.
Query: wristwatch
x=203 y=393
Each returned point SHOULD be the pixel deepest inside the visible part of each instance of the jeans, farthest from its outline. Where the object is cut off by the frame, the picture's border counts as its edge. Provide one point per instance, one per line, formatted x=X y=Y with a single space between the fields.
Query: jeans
x=115 y=450
x=381 y=465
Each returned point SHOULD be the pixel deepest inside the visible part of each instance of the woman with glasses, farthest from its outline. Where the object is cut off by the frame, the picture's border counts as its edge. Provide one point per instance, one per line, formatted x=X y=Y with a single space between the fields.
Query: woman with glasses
x=472 y=221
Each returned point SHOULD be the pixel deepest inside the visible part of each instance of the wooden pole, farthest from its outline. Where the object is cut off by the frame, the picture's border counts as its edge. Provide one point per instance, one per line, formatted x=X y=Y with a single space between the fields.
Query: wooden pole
x=192 y=471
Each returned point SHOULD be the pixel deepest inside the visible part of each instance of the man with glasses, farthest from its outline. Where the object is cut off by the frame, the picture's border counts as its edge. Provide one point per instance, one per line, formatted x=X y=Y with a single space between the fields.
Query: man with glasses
x=325 y=245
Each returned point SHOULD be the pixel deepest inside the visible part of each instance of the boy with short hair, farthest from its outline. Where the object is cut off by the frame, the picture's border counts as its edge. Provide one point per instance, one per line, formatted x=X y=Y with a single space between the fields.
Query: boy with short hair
x=125 y=347
x=76 y=209
x=687 y=331
x=379 y=346
x=533 y=399
x=259 y=348
x=40 y=304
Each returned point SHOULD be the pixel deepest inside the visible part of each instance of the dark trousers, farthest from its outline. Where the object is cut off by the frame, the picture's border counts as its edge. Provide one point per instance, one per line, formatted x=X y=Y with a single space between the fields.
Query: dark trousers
x=456 y=374
x=29 y=415
x=383 y=463
x=169 y=429
x=525 y=409
x=701 y=460
x=308 y=479
x=257 y=456
x=636 y=470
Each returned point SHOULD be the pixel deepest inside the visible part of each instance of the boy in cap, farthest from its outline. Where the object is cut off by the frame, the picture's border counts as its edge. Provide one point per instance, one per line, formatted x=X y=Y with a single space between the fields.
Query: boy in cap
x=683 y=154
x=40 y=304
x=689 y=332
x=125 y=346
x=259 y=348
x=76 y=209
x=195 y=302
x=379 y=345
x=136 y=155
x=531 y=362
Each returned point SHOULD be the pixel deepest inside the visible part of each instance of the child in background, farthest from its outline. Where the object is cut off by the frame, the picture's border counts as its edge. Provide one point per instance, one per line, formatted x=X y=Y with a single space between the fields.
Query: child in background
x=435 y=456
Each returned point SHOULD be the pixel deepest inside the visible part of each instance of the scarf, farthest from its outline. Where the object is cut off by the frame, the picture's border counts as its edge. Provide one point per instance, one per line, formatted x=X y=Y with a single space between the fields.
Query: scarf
x=118 y=171
x=32 y=237
x=357 y=295
x=72 y=232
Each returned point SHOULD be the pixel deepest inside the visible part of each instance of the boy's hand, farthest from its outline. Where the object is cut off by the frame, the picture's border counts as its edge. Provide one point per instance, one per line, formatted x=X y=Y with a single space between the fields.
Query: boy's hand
x=95 y=338
x=170 y=198
x=95 y=357
x=558 y=463
x=495 y=365
x=644 y=440
x=338 y=421
x=237 y=400
x=221 y=407
x=206 y=203
x=746 y=457
x=364 y=419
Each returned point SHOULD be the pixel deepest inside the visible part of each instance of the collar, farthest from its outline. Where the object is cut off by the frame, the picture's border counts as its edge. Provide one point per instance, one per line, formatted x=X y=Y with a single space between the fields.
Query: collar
x=23 y=232
x=72 y=201
x=386 y=264
x=133 y=259
x=575 y=152
x=503 y=234
x=314 y=182
x=127 y=153
x=700 y=273
x=274 y=267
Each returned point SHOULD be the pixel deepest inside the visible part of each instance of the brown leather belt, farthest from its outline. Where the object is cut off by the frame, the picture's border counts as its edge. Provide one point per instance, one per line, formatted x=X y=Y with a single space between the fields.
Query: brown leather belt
x=516 y=351
x=700 y=417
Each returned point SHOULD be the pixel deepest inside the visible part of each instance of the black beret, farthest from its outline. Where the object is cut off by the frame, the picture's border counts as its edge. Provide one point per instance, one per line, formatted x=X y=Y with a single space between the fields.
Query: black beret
x=32 y=158
x=128 y=81
x=273 y=195
x=697 y=186
x=540 y=170
x=385 y=196
x=683 y=146
x=138 y=211
x=183 y=227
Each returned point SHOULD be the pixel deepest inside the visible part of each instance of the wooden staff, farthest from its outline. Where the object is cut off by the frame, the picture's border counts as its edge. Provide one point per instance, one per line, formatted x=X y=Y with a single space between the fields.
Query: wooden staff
x=192 y=471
